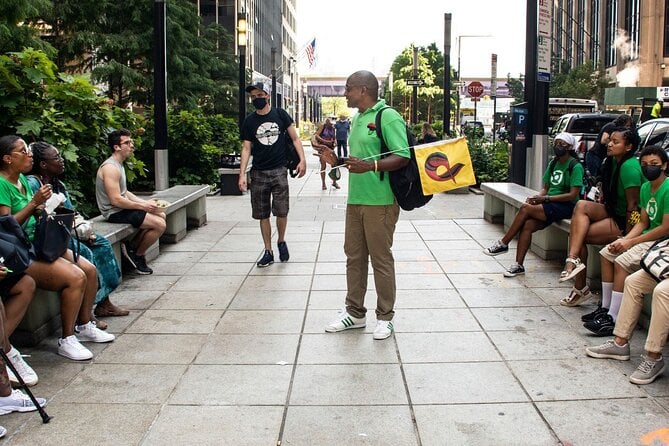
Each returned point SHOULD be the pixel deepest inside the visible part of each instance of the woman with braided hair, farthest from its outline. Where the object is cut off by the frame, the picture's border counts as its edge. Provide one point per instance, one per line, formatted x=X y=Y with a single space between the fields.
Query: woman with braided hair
x=47 y=166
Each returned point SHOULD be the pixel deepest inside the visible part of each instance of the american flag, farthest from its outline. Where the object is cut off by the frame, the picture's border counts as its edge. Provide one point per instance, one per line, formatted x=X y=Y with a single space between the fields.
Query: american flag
x=311 y=52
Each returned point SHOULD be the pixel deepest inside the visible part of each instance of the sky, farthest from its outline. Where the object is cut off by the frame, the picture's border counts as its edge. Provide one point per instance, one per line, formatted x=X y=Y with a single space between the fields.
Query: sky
x=356 y=35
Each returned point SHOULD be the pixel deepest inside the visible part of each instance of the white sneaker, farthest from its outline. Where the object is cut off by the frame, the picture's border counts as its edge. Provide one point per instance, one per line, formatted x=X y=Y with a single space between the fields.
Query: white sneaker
x=345 y=322
x=18 y=402
x=89 y=332
x=72 y=349
x=25 y=371
x=383 y=329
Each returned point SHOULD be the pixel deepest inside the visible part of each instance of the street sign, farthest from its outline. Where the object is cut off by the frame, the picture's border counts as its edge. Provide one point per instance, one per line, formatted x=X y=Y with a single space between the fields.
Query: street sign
x=475 y=89
x=414 y=82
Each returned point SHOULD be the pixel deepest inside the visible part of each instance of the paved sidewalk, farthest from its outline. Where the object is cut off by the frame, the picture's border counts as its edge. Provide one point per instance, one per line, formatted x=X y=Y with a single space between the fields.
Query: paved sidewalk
x=216 y=351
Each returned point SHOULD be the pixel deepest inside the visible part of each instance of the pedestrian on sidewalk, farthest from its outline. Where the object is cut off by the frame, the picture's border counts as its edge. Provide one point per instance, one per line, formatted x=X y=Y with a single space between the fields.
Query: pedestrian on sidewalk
x=342 y=127
x=264 y=134
x=562 y=180
x=371 y=210
x=324 y=139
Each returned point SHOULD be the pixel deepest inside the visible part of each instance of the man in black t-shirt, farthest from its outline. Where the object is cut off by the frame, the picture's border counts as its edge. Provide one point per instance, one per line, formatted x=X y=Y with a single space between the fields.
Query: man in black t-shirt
x=264 y=134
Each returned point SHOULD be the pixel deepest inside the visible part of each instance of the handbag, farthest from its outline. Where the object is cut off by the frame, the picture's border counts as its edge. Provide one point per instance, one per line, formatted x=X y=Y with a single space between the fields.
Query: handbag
x=52 y=234
x=16 y=251
x=656 y=260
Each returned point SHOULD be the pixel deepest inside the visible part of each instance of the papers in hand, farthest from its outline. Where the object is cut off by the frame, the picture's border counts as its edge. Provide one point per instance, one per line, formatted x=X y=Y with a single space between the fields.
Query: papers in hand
x=53 y=202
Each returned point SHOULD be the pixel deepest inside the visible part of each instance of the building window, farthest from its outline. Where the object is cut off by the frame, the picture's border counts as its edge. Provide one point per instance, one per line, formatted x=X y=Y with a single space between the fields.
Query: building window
x=632 y=27
x=610 y=33
x=594 y=31
x=559 y=30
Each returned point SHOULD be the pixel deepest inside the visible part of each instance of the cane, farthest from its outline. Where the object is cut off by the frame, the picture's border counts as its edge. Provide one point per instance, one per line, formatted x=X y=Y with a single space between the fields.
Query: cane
x=22 y=384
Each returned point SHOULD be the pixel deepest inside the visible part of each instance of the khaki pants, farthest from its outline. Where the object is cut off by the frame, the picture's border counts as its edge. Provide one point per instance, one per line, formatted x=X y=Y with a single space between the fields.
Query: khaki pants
x=636 y=285
x=369 y=235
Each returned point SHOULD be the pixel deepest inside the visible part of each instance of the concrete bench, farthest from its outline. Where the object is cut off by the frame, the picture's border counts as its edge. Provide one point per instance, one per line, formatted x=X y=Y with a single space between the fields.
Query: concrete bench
x=188 y=208
x=501 y=203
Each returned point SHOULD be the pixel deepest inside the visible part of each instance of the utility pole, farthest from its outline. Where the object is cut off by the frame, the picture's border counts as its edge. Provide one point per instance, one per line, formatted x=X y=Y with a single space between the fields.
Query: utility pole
x=273 y=62
x=414 y=94
x=447 y=74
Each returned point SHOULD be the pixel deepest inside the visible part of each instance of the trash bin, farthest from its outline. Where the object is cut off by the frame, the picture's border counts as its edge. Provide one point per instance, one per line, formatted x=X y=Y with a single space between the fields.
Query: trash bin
x=229 y=181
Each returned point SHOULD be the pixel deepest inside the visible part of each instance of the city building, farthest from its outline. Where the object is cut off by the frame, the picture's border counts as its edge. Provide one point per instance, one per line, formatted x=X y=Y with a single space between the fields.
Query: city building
x=270 y=41
x=628 y=38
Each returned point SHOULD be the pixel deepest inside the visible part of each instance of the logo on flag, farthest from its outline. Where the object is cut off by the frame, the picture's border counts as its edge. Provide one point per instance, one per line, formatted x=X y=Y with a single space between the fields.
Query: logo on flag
x=311 y=52
x=444 y=165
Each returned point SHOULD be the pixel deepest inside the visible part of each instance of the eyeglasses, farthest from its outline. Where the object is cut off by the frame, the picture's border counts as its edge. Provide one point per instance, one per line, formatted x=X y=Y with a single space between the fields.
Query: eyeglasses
x=127 y=141
x=350 y=87
x=25 y=150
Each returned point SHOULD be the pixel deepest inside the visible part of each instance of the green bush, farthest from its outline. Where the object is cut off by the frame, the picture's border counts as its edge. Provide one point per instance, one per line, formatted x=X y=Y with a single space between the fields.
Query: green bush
x=37 y=103
x=490 y=161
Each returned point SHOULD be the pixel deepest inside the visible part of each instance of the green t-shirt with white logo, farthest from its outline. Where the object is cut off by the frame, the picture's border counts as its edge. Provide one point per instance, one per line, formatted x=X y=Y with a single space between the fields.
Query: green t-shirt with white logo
x=656 y=205
x=559 y=180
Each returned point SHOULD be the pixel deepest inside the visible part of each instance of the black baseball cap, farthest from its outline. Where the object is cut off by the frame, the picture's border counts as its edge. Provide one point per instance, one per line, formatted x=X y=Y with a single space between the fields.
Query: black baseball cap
x=258 y=86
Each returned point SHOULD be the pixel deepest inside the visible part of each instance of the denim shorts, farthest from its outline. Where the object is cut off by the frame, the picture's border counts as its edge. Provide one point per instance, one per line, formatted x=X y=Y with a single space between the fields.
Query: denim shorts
x=557 y=210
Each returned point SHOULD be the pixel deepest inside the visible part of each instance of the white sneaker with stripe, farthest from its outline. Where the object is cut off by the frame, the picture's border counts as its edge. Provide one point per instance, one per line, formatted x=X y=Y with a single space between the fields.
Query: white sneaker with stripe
x=383 y=329
x=345 y=322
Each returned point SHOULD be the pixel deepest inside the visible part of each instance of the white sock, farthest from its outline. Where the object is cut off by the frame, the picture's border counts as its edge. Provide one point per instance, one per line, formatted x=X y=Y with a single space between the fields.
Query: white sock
x=616 y=300
x=607 y=289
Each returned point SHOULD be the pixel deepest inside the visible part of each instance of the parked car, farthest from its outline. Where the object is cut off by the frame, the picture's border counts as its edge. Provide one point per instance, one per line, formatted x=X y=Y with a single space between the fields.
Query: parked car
x=654 y=132
x=584 y=126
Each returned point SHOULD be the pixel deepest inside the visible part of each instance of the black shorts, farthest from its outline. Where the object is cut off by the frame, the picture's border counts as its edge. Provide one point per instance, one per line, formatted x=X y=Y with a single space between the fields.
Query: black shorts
x=8 y=283
x=133 y=216
x=557 y=210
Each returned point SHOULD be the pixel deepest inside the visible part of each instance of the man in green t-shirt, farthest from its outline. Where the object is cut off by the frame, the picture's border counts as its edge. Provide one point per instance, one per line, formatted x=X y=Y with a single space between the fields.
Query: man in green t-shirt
x=371 y=211
x=656 y=111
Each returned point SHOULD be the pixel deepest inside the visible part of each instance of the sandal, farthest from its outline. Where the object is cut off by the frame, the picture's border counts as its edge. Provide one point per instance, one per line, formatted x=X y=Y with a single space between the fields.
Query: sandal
x=102 y=325
x=576 y=297
x=578 y=267
x=110 y=310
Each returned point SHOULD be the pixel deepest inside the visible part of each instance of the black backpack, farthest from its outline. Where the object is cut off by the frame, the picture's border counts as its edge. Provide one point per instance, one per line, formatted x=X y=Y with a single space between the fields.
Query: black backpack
x=292 y=158
x=405 y=181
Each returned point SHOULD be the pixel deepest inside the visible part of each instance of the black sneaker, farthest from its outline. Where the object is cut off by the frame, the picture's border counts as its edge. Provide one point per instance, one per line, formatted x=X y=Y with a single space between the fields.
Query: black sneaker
x=283 y=252
x=266 y=260
x=497 y=248
x=602 y=325
x=142 y=267
x=594 y=315
x=128 y=255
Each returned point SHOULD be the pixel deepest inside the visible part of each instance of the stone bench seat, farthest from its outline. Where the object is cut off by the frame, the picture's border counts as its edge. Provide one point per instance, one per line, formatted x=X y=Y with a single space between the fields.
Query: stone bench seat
x=188 y=208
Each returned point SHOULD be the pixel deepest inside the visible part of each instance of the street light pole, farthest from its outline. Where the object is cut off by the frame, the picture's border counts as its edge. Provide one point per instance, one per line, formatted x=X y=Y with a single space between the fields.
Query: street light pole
x=447 y=75
x=161 y=164
x=414 y=94
x=241 y=44
x=273 y=61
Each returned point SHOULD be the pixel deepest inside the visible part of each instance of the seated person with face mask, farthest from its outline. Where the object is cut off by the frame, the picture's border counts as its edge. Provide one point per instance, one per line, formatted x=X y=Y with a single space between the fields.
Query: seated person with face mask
x=562 y=180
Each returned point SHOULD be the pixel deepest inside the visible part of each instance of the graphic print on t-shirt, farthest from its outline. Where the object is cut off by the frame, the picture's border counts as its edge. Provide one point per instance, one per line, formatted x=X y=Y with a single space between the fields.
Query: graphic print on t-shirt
x=556 y=178
x=651 y=208
x=267 y=133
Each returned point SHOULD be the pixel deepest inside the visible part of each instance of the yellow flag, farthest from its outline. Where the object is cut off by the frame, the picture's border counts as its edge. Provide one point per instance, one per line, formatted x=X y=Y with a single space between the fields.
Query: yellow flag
x=444 y=165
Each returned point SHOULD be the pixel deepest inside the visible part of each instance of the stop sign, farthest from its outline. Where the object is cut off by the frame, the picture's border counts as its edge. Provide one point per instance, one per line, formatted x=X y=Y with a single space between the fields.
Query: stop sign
x=475 y=89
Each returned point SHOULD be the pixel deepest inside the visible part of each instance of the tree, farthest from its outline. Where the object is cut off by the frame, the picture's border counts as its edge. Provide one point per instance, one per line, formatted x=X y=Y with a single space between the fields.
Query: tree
x=430 y=94
x=516 y=88
x=18 y=25
x=114 y=40
x=583 y=81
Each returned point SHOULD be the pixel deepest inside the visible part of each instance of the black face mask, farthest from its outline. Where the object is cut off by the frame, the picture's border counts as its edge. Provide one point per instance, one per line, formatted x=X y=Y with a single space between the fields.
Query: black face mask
x=259 y=103
x=651 y=172
x=559 y=151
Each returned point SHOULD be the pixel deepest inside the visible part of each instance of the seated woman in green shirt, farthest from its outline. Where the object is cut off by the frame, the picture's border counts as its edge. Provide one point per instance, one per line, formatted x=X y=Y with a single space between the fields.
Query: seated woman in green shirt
x=76 y=282
x=562 y=180
x=622 y=257
x=601 y=223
